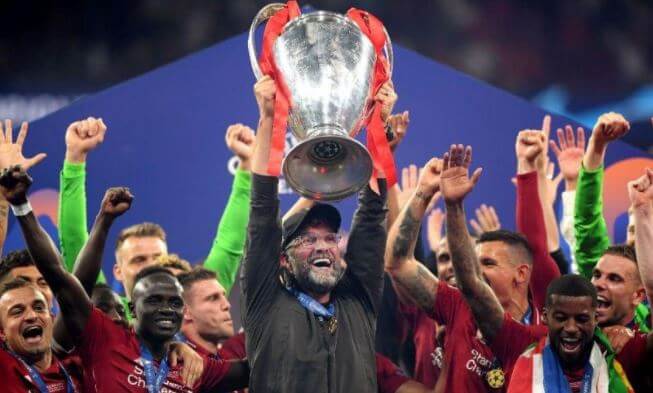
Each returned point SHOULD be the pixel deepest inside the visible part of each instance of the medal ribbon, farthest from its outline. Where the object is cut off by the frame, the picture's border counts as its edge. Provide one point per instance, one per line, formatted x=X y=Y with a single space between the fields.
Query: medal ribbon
x=312 y=305
x=36 y=376
x=153 y=382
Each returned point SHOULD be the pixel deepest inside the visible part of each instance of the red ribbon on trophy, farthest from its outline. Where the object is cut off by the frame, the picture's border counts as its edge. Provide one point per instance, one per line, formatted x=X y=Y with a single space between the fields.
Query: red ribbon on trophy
x=377 y=142
x=273 y=29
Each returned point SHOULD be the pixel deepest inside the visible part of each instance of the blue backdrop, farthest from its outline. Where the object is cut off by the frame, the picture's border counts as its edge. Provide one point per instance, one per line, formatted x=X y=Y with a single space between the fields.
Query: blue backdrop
x=165 y=140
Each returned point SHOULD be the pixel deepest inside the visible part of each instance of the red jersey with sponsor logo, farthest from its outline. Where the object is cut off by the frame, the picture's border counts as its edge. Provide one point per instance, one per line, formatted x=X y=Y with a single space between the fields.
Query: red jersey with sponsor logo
x=14 y=377
x=429 y=353
x=111 y=358
x=467 y=355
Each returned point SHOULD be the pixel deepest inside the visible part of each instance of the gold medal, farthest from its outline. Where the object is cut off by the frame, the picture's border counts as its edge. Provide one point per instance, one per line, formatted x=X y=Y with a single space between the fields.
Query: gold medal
x=332 y=325
x=495 y=378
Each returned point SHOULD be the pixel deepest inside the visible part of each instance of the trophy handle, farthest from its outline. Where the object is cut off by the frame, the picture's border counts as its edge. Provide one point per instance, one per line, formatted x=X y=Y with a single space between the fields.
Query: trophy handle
x=388 y=52
x=264 y=14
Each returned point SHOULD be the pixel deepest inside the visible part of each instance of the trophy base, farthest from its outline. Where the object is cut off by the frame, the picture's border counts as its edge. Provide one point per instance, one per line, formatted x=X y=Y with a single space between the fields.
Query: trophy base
x=328 y=167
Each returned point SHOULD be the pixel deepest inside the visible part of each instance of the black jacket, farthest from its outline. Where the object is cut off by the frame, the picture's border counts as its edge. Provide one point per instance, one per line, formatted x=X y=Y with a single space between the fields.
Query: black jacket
x=288 y=348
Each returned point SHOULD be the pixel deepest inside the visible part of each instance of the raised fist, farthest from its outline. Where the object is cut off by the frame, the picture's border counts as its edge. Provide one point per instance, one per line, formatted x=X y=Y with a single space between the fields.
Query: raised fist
x=386 y=97
x=455 y=181
x=530 y=144
x=640 y=190
x=14 y=184
x=83 y=136
x=240 y=140
x=429 y=179
x=610 y=126
x=12 y=153
x=116 y=201
x=265 y=91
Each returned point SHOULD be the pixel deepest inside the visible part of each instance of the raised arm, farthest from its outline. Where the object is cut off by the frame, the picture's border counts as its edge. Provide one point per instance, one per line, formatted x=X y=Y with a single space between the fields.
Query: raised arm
x=263 y=246
x=529 y=149
x=590 y=229
x=641 y=199
x=366 y=243
x=4 y=222
x=81 y=138
x=227 y=250
x=116 y=201
x=75 y=304
x=411 y=278
x=11 y=153
x=456 y=184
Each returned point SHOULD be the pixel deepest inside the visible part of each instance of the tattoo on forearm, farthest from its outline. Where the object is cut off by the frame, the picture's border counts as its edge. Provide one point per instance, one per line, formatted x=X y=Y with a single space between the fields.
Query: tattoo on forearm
x=423 y=196
x=421 y=287
x=407 y=235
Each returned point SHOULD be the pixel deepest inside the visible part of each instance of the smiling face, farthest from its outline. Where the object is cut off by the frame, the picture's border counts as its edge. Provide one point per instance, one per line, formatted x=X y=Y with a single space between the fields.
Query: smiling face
x=313 y=259
x=619 y=289
x=26 y=321
x=443 y=263
x=571 y=321
x=158 y=306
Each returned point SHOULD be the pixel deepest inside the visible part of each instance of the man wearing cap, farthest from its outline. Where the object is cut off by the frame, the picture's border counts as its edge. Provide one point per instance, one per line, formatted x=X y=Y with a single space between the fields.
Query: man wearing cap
x=309 y=316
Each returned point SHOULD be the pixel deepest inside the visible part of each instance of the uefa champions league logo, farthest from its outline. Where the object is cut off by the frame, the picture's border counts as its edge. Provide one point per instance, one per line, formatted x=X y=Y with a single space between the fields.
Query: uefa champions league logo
x=284 y=188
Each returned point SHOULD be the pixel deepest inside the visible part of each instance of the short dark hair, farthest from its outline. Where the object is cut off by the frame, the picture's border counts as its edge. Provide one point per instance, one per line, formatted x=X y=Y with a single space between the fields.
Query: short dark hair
x=198 y=273
x=622 y=250
x=146 y=229
x=150 y=270
x=15 y=284
x=100 y=286
x=572 y=285
x=513 y=239
x=14 y=259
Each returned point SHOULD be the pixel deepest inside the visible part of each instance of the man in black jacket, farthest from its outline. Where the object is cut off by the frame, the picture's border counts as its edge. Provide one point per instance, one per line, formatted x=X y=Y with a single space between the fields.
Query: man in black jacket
x=309 y=315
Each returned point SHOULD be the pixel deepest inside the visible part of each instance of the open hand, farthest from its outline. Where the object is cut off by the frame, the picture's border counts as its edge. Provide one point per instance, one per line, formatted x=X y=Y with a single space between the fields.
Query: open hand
x=455 y=181
x=569 y=152
x=486 y=220
x=12 y=153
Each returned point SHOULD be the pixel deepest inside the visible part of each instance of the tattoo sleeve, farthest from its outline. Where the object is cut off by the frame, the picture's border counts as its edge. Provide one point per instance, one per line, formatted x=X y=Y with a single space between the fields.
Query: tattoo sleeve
x=411 y=277
x=4 y=222
x=484 y=304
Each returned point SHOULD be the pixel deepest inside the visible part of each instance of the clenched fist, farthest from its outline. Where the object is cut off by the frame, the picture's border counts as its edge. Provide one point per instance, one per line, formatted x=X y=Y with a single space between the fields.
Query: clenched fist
x=265 y=91
x=83 y=136
x=14 y=184
x=116 y=201
x=240 y=140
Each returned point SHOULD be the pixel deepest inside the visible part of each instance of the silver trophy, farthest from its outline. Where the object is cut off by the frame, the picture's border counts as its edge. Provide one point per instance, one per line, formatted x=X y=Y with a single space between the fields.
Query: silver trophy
x=327 y=63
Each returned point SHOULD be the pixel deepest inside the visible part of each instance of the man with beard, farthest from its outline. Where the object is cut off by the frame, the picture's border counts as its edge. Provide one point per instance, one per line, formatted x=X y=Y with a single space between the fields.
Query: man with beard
x=309 y=317
x=27 y=362
x=116 y=358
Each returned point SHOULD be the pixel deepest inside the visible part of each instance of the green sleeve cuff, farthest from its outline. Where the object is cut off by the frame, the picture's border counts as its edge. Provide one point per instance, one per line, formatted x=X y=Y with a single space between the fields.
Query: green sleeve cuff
x=73 y=170
x=242 y=179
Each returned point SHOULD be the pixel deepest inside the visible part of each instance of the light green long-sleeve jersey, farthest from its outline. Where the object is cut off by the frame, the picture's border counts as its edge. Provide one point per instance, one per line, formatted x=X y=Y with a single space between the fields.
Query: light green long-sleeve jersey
x=591 y=232
x=226 y=251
